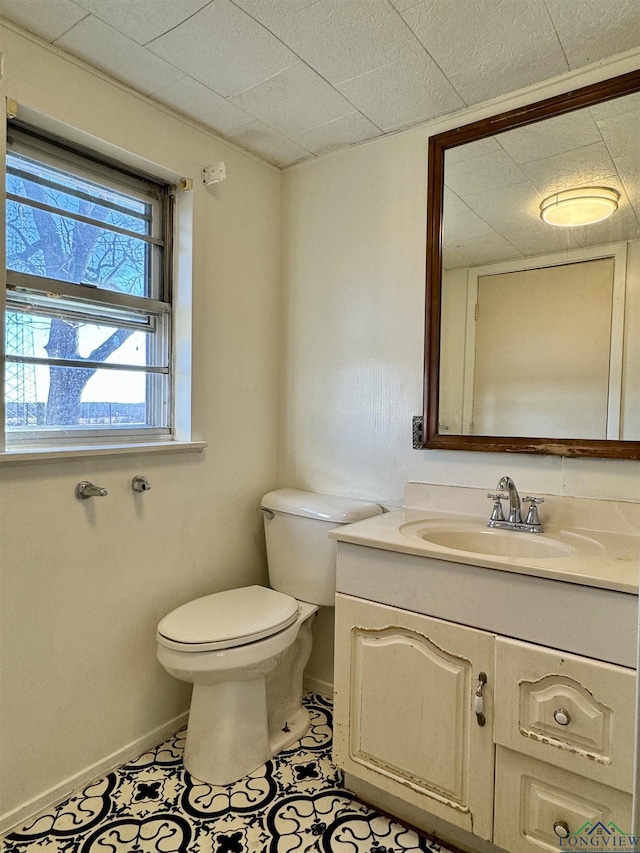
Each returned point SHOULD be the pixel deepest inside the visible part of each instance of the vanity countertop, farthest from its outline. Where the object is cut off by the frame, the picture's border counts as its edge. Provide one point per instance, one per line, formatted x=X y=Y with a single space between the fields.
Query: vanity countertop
x=603 y=559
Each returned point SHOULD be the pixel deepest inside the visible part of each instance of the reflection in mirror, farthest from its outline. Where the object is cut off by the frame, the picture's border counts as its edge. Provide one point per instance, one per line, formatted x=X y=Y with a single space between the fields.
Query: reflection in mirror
x=539 y=324
x=538 y=350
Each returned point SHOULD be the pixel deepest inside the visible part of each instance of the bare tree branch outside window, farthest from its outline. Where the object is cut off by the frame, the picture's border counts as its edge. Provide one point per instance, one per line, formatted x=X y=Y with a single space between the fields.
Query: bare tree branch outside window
x=43 y=242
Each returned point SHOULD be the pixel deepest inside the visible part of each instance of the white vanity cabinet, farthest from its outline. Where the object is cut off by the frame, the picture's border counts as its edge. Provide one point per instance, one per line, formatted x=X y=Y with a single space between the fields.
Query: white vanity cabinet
x=429 y=599
x=555 y=752
x=404 y=710
x=557 y=737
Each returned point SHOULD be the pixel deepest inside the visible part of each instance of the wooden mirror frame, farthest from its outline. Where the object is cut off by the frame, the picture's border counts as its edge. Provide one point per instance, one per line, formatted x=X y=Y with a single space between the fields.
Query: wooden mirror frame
x=587 y=96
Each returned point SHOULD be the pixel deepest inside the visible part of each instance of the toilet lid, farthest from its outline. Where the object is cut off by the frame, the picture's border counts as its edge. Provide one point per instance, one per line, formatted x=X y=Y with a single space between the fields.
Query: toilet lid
x=227 y=619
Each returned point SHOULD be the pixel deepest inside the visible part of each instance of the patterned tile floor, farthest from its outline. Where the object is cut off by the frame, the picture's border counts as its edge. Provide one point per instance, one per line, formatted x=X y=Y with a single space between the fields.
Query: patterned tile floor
x=295 y=802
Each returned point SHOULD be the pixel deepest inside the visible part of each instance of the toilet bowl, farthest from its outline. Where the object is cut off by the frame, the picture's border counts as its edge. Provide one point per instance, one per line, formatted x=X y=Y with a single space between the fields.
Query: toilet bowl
x=228 y=645
x=245 y=650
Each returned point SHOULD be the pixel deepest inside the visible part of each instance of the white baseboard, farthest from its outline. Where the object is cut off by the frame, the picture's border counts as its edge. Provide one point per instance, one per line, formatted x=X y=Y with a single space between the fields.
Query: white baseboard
x=318 y=685
x=74 y=783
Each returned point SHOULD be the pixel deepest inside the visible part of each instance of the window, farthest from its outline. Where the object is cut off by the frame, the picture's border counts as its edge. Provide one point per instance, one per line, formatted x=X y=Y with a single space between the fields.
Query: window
x=88 y=307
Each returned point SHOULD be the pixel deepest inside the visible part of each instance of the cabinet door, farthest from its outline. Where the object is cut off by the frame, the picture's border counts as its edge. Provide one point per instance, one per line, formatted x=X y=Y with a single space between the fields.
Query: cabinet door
x=404 y=710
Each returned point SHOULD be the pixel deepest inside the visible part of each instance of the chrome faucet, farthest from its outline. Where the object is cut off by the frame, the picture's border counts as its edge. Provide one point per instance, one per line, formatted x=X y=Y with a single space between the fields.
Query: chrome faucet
x=515 y=513
x=86 y=490
x=514 y=520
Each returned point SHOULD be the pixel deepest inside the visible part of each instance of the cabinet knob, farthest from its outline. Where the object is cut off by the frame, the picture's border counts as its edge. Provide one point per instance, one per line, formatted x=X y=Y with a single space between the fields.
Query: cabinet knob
x=561 y=717
x=561 y=829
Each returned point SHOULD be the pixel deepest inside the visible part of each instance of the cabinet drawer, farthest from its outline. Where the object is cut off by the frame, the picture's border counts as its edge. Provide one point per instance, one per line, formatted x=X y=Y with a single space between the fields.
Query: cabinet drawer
x=537 y=804
x=569 y=711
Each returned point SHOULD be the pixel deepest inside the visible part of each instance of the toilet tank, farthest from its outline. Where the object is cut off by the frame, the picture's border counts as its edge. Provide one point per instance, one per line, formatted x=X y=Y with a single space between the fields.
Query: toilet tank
x=300 y=555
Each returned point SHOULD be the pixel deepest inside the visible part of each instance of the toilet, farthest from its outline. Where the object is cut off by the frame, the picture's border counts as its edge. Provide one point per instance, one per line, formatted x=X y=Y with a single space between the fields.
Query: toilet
x=245 y=650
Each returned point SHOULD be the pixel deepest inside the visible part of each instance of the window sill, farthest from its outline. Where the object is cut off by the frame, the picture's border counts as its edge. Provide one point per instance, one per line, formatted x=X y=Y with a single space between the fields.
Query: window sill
x=55 y=454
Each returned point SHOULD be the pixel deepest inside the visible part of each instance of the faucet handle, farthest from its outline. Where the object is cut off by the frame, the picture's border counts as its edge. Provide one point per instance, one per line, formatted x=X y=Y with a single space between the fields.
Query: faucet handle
x=497 y=513
x=533 y=519
x=140 y=483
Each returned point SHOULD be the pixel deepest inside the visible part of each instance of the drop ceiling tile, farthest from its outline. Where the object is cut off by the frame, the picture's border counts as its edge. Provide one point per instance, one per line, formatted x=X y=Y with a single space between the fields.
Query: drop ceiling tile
x=196 y=101
x=48 y=19
x=551 y=136
x=541 y=239
x=142 y=20
x=404 y=5
x=482 y=174
x=630 y=176
x=470 y=150
x=622 y=226
x=510 y=207
x=595 y=29
x=107 y=49
x=342 y=40
x=338 y=133
x=633 y=194
x=461 y=223
x=629 y=170
x=608 y=109
x=488 y=249
x=407 y=92
x=580 y=167
x=295 y=100
x=224 y=48
x=619 y=123
x=271 y=13
x=488 y=48
x=484 y=255
x=268 y=143
x=622 y=134
x=453 y=260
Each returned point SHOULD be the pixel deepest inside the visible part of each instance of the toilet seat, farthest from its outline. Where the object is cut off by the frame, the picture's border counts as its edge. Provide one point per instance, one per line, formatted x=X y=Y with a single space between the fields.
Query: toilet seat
x=227 y=619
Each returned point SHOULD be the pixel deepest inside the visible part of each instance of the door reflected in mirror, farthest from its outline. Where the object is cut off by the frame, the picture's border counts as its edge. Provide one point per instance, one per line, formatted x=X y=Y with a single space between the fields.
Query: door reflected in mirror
x=539 y=351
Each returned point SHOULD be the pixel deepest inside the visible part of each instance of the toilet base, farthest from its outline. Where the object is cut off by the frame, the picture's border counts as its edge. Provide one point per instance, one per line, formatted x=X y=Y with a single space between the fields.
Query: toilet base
x=224 y=753
x=217 y=750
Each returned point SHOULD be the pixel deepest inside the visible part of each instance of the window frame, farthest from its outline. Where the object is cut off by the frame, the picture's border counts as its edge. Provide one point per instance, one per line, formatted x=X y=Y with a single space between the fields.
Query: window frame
x=96 y=302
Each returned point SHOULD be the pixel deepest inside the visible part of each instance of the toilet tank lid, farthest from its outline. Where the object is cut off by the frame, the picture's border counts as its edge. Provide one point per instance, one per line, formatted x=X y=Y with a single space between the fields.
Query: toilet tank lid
x=323 y=507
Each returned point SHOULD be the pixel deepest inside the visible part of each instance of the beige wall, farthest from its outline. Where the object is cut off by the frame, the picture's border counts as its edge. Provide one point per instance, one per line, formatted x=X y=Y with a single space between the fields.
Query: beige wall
x=352 y=340
x=353 y=316
x=83 y=585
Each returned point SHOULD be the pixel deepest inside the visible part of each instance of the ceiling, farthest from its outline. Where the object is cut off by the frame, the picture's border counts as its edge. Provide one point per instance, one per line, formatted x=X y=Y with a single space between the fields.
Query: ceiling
x=291 y=79
x=494 y=187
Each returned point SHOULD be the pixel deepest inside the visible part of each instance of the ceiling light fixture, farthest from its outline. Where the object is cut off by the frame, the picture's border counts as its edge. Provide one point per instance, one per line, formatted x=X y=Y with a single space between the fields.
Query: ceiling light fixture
x=580 y=206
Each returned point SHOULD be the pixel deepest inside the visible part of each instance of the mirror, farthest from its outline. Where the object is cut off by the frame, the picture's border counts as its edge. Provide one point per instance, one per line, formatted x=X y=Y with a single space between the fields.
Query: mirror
x=533 y=329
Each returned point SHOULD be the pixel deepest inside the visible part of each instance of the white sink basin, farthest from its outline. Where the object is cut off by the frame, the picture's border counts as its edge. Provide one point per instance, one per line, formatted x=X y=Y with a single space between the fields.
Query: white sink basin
x=473 y=538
